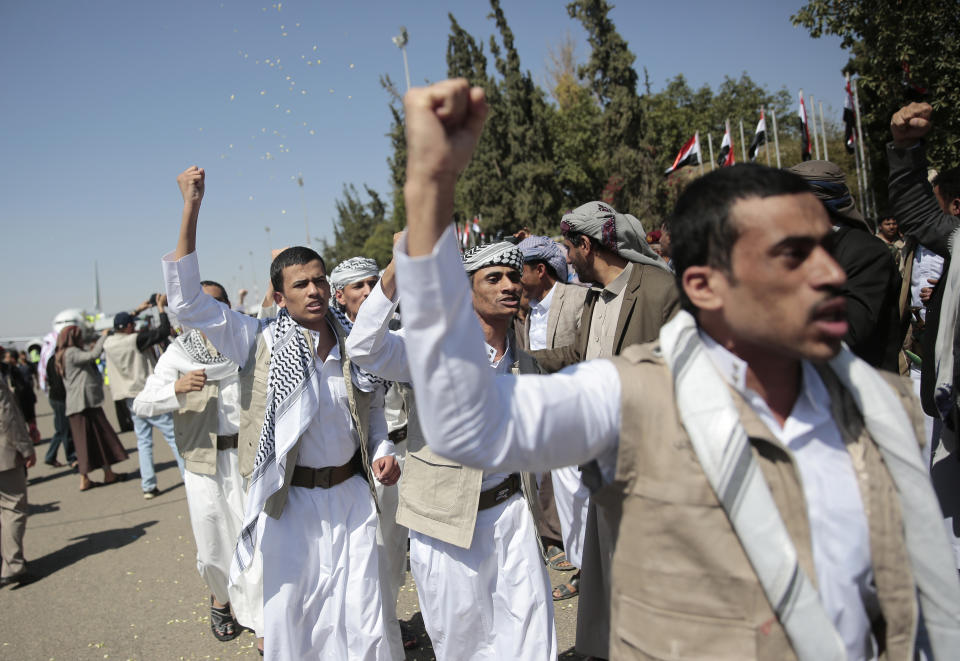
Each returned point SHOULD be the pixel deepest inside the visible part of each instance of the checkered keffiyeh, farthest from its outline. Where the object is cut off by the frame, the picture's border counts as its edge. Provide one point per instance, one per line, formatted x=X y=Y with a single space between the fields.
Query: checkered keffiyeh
x=503 y=253
x=351 y=270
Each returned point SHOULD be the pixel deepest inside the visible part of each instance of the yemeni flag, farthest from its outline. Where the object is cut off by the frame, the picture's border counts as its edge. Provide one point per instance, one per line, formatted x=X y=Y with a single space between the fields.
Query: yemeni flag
x=759 y=137
x=804 y=131
x=849 y=121
x=689 y=154
x=726 y=158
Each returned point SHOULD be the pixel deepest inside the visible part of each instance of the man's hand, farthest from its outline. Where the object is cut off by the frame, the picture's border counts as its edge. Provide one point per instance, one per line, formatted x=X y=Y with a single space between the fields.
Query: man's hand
x=30 y=461
x=444 y=122
x=161 y=302
x=190 y=382
x=386 y=470
x=925 y=292
x=910 y=124
x=191 y=185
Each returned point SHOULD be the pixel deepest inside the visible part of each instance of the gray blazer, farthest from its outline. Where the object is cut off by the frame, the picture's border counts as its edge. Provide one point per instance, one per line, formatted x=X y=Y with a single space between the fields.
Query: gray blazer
x=82 y=379
x=15 y=443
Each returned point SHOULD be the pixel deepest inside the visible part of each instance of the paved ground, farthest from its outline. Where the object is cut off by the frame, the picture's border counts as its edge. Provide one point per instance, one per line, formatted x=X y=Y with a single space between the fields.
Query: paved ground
x=117 y=574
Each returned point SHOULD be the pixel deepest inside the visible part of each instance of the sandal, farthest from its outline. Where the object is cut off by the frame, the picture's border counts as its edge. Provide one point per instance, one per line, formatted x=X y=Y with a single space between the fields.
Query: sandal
x=408 y=637
x=117 y=477
x=567 y=590
x=91 y=485
x=557 y=559
x=222 y=624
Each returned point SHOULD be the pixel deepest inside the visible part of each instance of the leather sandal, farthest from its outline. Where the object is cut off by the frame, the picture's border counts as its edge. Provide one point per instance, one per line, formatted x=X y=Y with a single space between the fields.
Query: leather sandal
x=222 y=624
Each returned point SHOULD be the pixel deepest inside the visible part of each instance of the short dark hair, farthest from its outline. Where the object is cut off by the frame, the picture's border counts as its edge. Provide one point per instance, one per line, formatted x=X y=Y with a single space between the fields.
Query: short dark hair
x=294 y=256
x=214 y=283
x=701 y=231
x=552 y=272
x=948 y=182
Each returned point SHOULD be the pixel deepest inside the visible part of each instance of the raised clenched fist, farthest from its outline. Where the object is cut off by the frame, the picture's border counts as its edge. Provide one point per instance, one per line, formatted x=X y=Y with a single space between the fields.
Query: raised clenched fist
x=910 y=124
x=191 y=184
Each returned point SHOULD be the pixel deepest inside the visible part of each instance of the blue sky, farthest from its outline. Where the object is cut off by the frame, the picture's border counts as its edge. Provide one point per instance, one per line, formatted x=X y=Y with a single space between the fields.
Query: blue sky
x=104 y=102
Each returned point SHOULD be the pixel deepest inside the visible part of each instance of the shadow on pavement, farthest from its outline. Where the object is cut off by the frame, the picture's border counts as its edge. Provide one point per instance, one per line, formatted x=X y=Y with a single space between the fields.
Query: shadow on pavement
x=424 y=651
x=85 y=546
x=45 y=508
x=40 y=479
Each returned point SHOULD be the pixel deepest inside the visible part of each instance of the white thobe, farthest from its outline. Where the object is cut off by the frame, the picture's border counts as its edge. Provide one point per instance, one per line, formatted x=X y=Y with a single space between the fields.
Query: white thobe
x=321 y=582
x=540 y=422
x=215 y=502
x=490 y=601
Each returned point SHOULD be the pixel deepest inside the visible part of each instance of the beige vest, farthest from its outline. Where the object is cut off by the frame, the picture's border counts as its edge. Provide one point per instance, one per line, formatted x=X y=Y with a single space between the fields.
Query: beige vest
x=253 y=397
x=127 y=366
x=683 y=586
x=439 y=497
x=195 y=426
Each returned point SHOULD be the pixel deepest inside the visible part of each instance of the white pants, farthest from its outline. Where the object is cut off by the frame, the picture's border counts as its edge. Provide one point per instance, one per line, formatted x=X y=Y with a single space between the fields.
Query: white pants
x=215 y=503
x=573 y=503
x=392 y=550
x=321 y=578
x=491 y=601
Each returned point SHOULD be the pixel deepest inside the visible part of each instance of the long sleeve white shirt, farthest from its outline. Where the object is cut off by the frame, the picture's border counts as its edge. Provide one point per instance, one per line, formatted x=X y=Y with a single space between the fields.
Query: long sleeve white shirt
x=331 y=438
x=541 y=422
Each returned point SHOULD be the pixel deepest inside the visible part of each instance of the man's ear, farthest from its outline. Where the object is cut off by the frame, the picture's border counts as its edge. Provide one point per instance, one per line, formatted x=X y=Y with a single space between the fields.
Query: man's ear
x=338 y=296
x=954 y=207
x=279 y=300
x=700 y=284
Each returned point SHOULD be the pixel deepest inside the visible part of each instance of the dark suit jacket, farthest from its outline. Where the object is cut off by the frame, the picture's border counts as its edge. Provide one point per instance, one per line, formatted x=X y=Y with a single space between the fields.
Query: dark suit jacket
x=650 y=299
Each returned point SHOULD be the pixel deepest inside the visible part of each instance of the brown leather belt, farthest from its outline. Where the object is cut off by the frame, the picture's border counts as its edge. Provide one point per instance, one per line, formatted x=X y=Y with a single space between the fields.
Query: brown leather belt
x=324 y=478
x=398 y=435
x=227 y=442
x=496 y=495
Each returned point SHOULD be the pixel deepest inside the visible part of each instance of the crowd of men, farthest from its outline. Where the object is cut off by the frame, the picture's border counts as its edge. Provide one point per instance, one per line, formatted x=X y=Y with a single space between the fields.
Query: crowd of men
x=718 y=435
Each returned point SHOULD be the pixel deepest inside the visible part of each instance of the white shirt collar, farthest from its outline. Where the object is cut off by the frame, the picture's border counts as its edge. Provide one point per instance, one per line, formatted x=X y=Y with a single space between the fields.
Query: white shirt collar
x=492 y=353
x=543 y=306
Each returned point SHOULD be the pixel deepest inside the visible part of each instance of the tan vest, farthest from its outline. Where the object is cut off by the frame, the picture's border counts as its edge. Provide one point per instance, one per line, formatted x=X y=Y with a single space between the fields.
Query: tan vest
x=127 y=366
x=439 y=497
x=253 y=397
x=195 y=426
x=683 y=586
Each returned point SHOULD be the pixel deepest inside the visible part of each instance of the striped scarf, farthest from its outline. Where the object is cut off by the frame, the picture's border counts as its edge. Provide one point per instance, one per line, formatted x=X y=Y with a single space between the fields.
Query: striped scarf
x=710 y=417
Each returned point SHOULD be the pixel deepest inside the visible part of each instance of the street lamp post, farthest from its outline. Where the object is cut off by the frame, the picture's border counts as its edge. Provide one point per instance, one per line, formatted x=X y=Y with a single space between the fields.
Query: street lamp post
x=400 y=41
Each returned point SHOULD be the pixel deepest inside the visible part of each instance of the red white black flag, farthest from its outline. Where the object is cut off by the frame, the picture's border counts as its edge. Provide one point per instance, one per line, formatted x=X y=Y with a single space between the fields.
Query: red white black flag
x=849 y=121
x=804 y=132
x=726 y=158
x=759 y=137
x=689 y=154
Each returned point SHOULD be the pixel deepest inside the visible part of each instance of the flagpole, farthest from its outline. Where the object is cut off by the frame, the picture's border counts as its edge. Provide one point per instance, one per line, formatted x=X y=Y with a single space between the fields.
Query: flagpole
x=710 y=144
x=776 y=138
x=766 y=137
x=823 y=134
x=863 y=157
x=816 y=141
x=743 y=144
x=699 y=153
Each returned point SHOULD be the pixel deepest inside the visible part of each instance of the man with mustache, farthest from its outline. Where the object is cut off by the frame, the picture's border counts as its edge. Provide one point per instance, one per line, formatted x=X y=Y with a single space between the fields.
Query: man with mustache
x=474 y=553
x=768 y=496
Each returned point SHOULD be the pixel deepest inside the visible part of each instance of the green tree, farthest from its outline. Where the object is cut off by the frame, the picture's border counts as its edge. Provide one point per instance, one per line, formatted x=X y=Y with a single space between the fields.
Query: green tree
x=627 y=164
x=886 y=39
x=356 y=222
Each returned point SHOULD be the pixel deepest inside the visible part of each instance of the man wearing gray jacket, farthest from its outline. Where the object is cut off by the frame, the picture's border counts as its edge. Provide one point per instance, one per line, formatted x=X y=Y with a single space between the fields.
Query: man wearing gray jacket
x=16 y=456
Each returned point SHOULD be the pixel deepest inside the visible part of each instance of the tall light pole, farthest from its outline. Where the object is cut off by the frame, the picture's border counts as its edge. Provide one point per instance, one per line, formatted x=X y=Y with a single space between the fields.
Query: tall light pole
x=400 y=41
x=303 y=203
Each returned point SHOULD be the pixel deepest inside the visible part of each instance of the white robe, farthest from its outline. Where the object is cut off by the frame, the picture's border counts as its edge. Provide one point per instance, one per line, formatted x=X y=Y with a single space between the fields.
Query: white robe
x=573 y=503
x=321 y=577
x=490 y=602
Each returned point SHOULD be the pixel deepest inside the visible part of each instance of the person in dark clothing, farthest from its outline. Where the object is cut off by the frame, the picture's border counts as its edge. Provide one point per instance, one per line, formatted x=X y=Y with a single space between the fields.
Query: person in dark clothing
x=22 y=388
x=930 y=214
x=57 y=394
x=873 y=281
